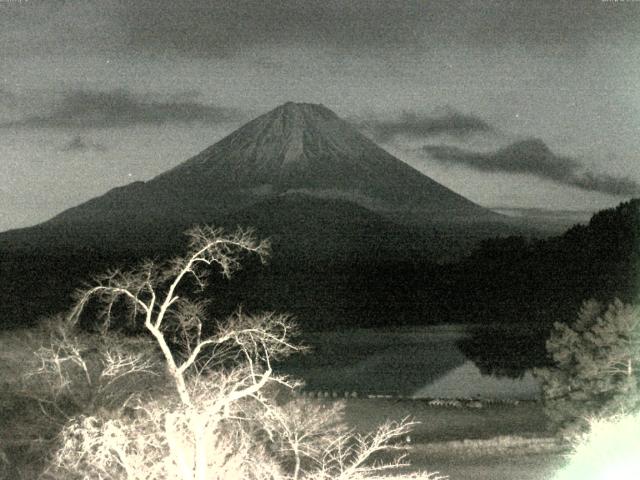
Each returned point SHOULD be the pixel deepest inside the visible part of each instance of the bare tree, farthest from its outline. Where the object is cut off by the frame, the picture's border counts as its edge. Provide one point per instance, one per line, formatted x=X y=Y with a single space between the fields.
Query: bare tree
x=221 y=413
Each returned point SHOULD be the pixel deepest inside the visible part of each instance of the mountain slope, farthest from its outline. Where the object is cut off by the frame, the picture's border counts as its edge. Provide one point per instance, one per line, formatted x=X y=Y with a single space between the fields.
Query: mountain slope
x=294 y=148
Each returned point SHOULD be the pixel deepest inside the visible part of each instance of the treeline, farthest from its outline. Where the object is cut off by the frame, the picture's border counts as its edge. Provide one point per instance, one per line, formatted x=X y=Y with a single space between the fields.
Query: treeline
x=331 y=275
x=509 y=280
x=547 y=280
x=537 y=283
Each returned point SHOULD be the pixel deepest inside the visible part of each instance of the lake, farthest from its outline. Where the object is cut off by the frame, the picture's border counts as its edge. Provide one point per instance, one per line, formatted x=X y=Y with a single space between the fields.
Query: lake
x=414 y=362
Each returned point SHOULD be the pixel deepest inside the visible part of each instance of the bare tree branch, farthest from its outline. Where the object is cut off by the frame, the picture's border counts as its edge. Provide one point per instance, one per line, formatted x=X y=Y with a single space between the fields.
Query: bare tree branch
x=220 y=419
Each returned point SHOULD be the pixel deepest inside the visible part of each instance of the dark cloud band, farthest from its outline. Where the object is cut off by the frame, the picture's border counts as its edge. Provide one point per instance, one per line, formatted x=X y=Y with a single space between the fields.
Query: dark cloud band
x=421 y=126
x=200 y=28
x=119 y=108
x=194 y=27
x=533 y=157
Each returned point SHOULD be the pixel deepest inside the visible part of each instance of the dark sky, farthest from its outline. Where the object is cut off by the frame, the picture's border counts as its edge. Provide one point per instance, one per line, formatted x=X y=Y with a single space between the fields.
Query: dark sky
x=510 y=103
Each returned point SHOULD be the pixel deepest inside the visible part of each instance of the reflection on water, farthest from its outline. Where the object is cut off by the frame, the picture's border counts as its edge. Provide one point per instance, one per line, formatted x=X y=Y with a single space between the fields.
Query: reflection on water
x=467 y=381
x=419 y=363
x=506 y=350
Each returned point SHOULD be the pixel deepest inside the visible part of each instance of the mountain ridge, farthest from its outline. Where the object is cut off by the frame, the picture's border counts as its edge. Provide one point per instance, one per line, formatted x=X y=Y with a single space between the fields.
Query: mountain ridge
x=296 y=147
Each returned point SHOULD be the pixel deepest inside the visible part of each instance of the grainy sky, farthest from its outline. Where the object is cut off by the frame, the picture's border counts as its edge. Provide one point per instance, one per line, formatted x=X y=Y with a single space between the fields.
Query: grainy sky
x=511 y=103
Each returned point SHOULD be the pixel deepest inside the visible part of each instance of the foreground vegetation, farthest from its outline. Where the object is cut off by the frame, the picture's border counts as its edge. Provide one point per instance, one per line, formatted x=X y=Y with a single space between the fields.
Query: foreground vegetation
x=176 y=401
x=596 y=367
x=498 y=441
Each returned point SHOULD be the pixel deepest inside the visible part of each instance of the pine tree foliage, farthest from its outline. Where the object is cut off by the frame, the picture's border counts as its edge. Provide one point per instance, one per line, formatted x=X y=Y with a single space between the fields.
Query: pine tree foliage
x=596 y=368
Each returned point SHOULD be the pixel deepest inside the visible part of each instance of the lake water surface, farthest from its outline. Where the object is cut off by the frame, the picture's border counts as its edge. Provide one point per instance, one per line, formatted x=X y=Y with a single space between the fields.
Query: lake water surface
x=423 y=362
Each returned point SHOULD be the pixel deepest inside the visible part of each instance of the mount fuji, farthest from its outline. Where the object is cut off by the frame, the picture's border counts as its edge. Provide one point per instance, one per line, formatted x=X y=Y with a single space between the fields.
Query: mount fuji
x=296 y=148
x=322 y=191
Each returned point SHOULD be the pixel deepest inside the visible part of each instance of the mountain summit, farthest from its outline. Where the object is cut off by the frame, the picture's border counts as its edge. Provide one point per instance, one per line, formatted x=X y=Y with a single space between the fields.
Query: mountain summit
x=299 y=148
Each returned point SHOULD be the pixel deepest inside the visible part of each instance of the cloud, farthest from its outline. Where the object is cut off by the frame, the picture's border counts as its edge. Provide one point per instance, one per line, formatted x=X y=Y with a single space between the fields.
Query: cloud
x=420 y=126
x=119 y=108
x=79 y=144
x=194 y=27
x=217 y=29
x=199 y=28
x=222 y=29
x=533 y=157
x=605 y=183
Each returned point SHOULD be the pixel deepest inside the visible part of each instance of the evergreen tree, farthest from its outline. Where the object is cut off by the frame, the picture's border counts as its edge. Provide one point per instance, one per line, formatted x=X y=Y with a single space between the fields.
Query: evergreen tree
x=596 y=368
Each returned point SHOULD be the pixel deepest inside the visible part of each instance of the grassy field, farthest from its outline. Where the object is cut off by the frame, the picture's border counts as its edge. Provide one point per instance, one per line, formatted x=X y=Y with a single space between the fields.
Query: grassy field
x=516 y=463
x=445 y=423
x=495 y=442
